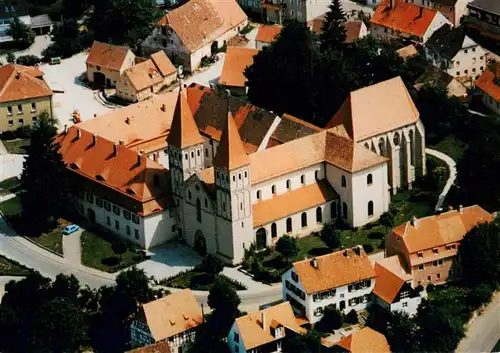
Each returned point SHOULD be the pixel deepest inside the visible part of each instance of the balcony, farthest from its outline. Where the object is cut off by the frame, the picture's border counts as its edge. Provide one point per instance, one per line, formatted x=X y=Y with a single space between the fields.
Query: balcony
x=273 y=4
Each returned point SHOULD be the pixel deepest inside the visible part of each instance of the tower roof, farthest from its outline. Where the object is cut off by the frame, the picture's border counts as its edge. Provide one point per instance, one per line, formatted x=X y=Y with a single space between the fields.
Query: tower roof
x=231 y=153
x=183 y=132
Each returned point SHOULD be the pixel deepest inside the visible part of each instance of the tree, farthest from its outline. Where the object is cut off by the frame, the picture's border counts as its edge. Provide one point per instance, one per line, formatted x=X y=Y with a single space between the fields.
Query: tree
x=332 y=320
x=124 y=21
x=211 y=265
x=28 y=60
x=352 y=317
x=287 y=247
x=43 y=177
x=479 y=255
x=21 y=33
x=11 y=58
x=333 y=30
x=387 y=220
x=330 y=236
x=308 y=343
x=402 y=333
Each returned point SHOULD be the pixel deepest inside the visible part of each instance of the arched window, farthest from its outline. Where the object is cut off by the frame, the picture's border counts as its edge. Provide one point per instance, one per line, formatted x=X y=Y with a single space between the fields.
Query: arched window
x=261 y=241
x=412 y=148
x=396 y=139
x=189 y=194
x=333 y=210
x=370 y=208
x=288 y=184
x=381 y=146
x=288 y=225
x=369 y=179
x=344 y=182
x=274 y=230
x=344 y=211
x=367 y=146
x=303 y=218
x=319 y=215
x=273 y=189
x=198 y=210
x=258 y=195
x=316 y=174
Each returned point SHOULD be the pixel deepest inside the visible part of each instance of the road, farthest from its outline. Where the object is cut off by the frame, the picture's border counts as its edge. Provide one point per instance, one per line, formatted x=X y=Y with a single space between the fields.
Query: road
x=452 y=167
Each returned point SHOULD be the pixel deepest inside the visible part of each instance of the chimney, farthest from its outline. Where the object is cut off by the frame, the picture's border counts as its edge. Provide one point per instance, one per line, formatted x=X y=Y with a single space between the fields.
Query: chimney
x=127 y=120
x=357 y=250
x=461 y=209
x=414 y=221
x=18 y=75
x=314 y=263
x=263 y=319
x=121 y=143
x=65 y=129
x=95 y=115
x=450 y=207
x=78 y=134
x=94 y=139
x=421 y=11
x=163 y=107
x=347 y=253
x=115 y=149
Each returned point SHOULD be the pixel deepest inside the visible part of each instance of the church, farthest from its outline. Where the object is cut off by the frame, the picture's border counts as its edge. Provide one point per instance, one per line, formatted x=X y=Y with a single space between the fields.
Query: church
x=223 y=175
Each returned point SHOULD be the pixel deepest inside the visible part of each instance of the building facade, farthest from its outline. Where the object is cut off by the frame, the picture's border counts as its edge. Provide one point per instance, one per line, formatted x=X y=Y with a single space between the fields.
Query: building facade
x=279 y=11
x=484 y=18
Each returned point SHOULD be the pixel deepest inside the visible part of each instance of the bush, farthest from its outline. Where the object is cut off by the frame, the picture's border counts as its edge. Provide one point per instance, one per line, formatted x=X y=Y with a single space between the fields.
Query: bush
x=479 y=295
x=28 y=60
x=330 y=236
x=11 y=58
x=119 y=247
x=23 y=132
x=332 y=319
x=287 y=247
x=368 y=248
x=211 y=265
x=246 y=29
x=111 y=261
x=8 y=135
x=430 y=288
x=352 y=317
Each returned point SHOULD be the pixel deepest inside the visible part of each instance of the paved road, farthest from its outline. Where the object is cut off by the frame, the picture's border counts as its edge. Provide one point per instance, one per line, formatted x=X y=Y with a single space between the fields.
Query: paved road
x=71 y=247
x=452 y=167
x=484 y=331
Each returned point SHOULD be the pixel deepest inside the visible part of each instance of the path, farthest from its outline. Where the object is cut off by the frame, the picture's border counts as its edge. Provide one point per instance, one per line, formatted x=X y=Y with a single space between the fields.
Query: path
x=71 y=247
x=41 y=42
x=484 y=331
x=452 y=166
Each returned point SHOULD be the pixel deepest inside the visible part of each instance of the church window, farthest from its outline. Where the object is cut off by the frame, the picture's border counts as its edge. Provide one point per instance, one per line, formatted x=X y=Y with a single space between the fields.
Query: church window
x=412 y=148
x=234 y=177
x=274 y=230
x=303 y=218
x=198 y=153
x=186 y=157
x=333 y=210
x=396 y=139
x=192 y=154
x=206 y=202
x=288 y=225
x=246 y=174
x=319 y=215
x=369 y=179
x=302 y=179
x=370 y=208
x=367 y=146
x=239 y=176
x=344 y=181
x=206 y=152
x=189 y=194
x=198 y=210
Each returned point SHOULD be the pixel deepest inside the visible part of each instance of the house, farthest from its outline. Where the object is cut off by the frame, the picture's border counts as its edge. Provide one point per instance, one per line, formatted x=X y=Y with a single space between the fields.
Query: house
x=266 y=34
x=354 y=29
x=173 y=319
x=41 y=24
x=453 y=10
x=212 y=23
x=394 y=19
x=407 y=52
x=233 y=72
x=384 y=119
x=437 y=77
x=280 y=11
x=488 y=86
x=9 y=10
x=342 y=280
x=429 y=245
x=264 y=330
x=454 y=52
x=146 y=78
x=24 y=95
x=484 y=18
x=106 y=63
x=365 y=340
x=393 y=287
x=160 y=347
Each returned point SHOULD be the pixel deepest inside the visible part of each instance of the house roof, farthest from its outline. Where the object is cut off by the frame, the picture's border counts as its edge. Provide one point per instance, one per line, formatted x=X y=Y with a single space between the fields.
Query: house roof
x=447 y=41
x=183 y=132
x=200 y=22
x=143 y=185
x=391 y=276
x=407 y=52
x=42 y=20
x=437 y=77
x=352 y=27
x=231 y=152
x=375 y=109
x=107 y=55
x=13 y=8
x=404 y=17
x=143 y=75
x=268 y=33
x=489 y=82
x=160 y=347
x=325 y=146
x=254 y=333
x=365 y=340
x=291 y=128
x=236 y=61
x=438 y=230
x=492 y=6
x=334 y=270
x=19 y=82
x=163 y=63
x=292 y=202
x=172 y=314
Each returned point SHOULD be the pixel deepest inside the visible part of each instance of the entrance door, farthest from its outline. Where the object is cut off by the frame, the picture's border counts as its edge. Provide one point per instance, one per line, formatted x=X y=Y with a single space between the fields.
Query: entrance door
x=342 y=305
x=99 y=79
x=200 y=244
x=91 y=214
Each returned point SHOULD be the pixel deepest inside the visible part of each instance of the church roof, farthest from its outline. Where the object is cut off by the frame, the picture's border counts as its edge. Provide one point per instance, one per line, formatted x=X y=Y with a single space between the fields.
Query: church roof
x=231 y=153
x=183 y=132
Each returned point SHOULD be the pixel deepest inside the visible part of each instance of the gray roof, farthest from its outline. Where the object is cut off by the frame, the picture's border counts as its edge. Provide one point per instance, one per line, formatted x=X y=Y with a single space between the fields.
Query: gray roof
x=446 y=2
x=492 y=6
x=447 y=41
x=40 y=21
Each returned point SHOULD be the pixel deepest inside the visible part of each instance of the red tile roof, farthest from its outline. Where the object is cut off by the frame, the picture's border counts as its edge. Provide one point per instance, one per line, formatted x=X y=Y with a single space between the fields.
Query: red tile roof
x=268 y=33
x=236 y=61
x=486 y=82
x=107 y=55
x=404 y=17
x=163 y=63
x=231 y=153
x=365 y=340
x=21 y=82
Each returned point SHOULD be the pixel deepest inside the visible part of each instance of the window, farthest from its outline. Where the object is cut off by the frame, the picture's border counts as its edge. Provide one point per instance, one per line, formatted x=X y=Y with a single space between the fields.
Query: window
x=343 y=181
x=288 y=225
x=369 y=179
x=9 y=110
x=274 y=230
x=116 y=210
x=189 y=194
x=429 y=278
x=236 y=337
x=258 y=195
x=108 y=221
x=206 y=152
x=473 y=69
x=319 y=215
x=135 y=218
x=302 y=179
x=295 y=277
x=318 y=311
x=481 y=68
x=316 y=175
x=370 y=208
x=405 y=294
x=405 y=304
x=303 y=218
x=98 y=68
x=21 y=121
x=98 y=201
x=395 y=139
x=128 y=230
x=273 y=189
x=206 y=202
x=19 y=109
x=458 y=63
x=420 y=267
x=420 y=254
x=107 y=206
x=198 y=210
x=344 y=211
x=434 y=263
x=126 y=214
x=90 y=197
x=438 y=275
x=440 y=262
x=288 y=184
x=33 y=107
x=333 y=210
x=11 y=122
x=136 y=234
x=435 y=251
x=481 y=57
x=117 y=224
x=466 y=72
x=473 y=50
x=458 y=73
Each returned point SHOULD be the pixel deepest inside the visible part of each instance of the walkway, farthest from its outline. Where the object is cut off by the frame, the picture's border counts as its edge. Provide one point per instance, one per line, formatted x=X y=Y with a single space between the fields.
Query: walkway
x=71 y=247
x=452 y=167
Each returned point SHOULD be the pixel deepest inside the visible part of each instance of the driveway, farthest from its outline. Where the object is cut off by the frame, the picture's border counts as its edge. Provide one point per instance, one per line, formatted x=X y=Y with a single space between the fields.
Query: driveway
x=41 y=42
x=64 y=77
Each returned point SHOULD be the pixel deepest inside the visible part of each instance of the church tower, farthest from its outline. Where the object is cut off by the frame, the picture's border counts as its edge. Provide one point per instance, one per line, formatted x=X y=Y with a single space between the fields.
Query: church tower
x=233 y=189
x=185 y=145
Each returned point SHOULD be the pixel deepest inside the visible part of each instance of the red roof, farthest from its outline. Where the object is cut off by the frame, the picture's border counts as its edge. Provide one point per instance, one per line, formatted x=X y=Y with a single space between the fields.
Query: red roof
x=403 y=17
x=107 y=55
x=486 y=83
x=268 y=33
x=21 y=82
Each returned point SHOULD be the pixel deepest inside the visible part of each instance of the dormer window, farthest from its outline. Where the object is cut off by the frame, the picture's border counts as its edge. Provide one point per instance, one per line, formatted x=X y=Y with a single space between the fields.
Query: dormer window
x=435 y=251
x=99 y=177
x=74 y=166
x=420 y=255
x=130 y=191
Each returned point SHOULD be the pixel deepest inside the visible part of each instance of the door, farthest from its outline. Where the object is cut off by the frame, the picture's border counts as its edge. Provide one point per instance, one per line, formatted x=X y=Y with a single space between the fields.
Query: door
x=99 y=79
x=91 y=214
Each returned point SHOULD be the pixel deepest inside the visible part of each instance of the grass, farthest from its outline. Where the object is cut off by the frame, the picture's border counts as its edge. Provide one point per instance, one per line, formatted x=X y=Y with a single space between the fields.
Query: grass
x=451 y=146
x=10 y=267
x=497 y=347
x=107 y=252
x=19 y=146
x=199 y=281
x=11 y=207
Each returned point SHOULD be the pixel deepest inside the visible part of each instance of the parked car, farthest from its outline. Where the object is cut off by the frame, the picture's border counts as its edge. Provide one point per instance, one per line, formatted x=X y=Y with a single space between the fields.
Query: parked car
x=70 y=229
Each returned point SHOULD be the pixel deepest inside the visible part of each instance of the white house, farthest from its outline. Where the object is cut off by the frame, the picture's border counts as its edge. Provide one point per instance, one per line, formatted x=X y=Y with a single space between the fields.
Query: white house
x=196 y=30
x=173 y=319
x=454 y=52
x=264 y=330
x=395 y=19
x=342 y=280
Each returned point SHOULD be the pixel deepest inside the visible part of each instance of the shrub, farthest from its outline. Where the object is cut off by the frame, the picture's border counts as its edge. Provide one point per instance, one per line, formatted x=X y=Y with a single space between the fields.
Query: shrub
x=23 y=132
x=119 y=247
x=479 y=295
x=11 y=58
x=287 y=246
x=332 y=319
x=28 y=60
x=352 y=317
x=246 y=29
x=368 y=248
x=430 y=288
x=330 y=236
x=111 y=261
x=8 y=135
x=211 y=265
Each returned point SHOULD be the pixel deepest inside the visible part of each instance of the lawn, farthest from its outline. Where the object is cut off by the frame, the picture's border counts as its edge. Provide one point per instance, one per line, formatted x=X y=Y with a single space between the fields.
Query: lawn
x=107 y=252
x=12 y=268
x=451 y=146
x=199 y=281
x=11 y=207
x=18 y=146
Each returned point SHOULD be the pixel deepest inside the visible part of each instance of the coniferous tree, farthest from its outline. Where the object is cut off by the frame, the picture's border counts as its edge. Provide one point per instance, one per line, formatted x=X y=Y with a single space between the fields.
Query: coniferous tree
x=333 y=30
